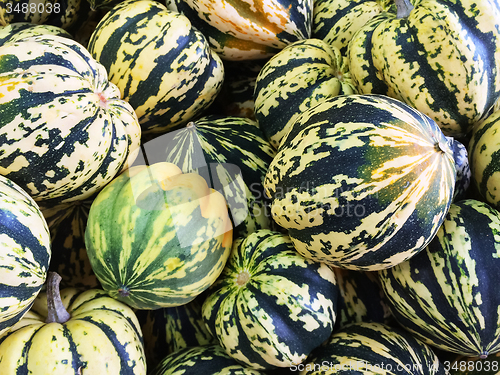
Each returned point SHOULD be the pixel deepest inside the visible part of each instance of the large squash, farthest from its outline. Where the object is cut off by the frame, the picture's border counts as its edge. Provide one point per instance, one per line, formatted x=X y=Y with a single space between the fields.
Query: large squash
x=64 y=131
x=448 y=294
x=24 y=253
x=361 y=182
x=440 y=56
x=157 y=237
x=162 y=65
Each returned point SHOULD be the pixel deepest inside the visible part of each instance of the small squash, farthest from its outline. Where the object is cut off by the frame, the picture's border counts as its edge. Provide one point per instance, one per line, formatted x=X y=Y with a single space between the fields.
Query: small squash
x=74 y=332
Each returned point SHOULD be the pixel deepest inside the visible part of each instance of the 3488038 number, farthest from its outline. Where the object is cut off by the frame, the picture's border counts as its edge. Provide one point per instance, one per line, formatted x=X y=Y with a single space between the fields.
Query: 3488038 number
x=478 y=366
x=25 y=8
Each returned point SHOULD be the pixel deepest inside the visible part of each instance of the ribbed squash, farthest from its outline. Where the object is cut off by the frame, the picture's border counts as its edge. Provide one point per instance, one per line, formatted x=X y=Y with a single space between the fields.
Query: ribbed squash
x=74 y=332
x=232 y=153
x=361 y=182
x=484 y=156
x=24 y=253
x=296 y=79
x=22 y=30
x=210 y=359
x=372 y=348
x=439 y=56
x=271 y=306
x=162 y=65
x=448 y=294
x=157 y=237
x=170 y=329
x=67 y=223
x=248 y=30
x=64 y=131
x=335 y=22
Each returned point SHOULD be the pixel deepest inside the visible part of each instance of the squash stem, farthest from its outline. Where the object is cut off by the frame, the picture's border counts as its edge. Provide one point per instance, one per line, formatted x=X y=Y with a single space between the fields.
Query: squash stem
x=57 y=313
x=404 y=7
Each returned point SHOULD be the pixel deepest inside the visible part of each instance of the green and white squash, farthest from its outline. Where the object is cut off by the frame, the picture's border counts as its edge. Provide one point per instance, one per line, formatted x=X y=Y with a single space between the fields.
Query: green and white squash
x=271 y=307
x=22 y=30
x=74 y=332
x=361 y=182
x=24 y=253
x=210 y=359
x=296 y=79
x=64 y=131
x=447 y=295
x=335 y=22
x=67 y=223
x=484 y=156
x=157 y=237
x=441 y=57
x=232 y=153
x=162 y=65
x=248 y=30
x=462 y=167
x=372 y=348
x=170 y=329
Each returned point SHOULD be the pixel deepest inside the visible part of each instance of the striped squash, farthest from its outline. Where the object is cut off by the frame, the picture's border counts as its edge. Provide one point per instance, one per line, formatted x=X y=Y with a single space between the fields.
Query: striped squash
x=157 y=237
x=484 y=156
x=229 y=151
x=210 y=359
x=24 y=253
x=448 y=294
x=335 y=22
x=170 y=329
x=22 y=30
x=361 y=298
x=162 y=65
x=296 y=79
x=248 y=30
x=64 y=131
x=75 y=333
x=372 y=348
x=270 y=307
x=67 y=223
x=444 y=56
x=361 y=182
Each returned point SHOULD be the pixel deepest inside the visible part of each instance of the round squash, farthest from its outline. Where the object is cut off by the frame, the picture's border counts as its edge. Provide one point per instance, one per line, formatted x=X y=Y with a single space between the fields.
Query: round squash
x=232 y=153
x=64 y=131
x=296 y=79
x=372 y=348
x=271 y=307
x=448 y=294
x=74 y=332
x=361 y=182
x=157 y=237
x=22 y=30
x=441 y=57
x=162 y=65
x=240 y=30
x=24 y=253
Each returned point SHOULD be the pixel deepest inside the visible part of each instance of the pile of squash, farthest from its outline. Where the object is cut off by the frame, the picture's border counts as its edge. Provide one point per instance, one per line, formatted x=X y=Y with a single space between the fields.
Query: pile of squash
x=249 y=187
